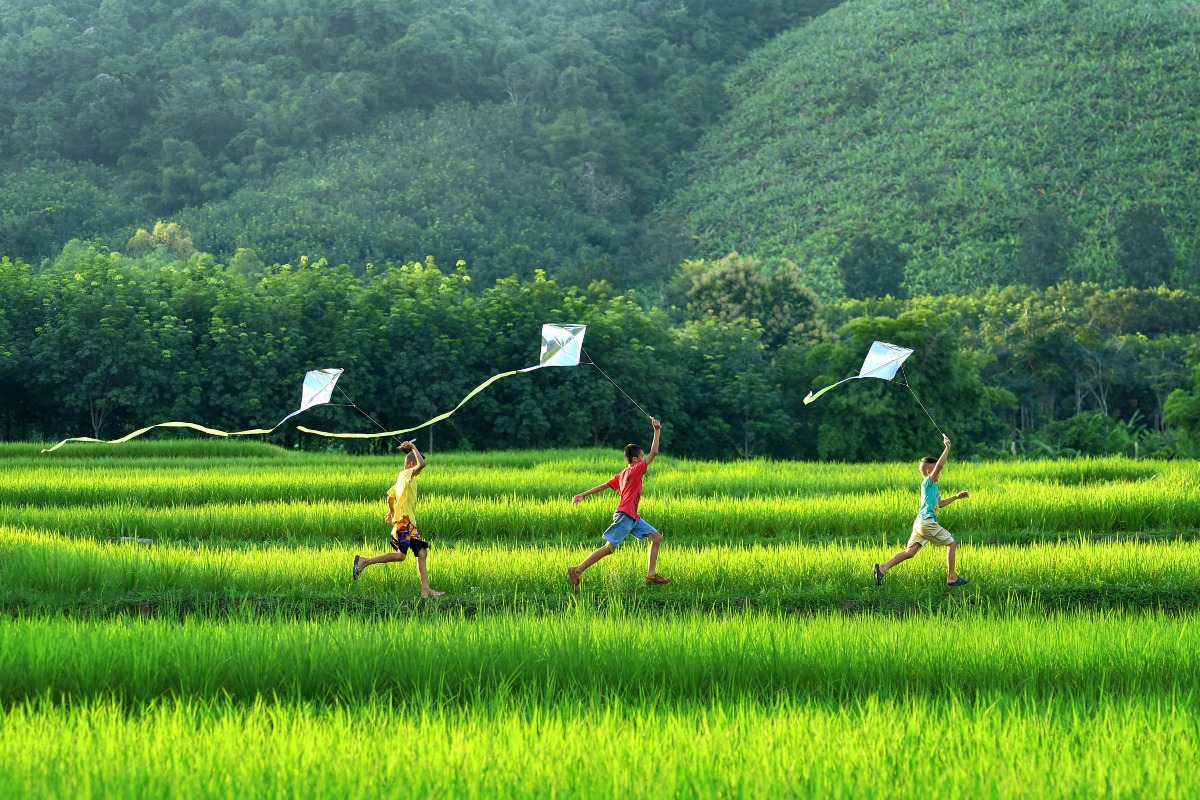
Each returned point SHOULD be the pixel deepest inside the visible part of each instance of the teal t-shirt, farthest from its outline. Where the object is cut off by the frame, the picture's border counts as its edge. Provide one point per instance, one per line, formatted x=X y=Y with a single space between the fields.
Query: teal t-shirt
x=929 y=499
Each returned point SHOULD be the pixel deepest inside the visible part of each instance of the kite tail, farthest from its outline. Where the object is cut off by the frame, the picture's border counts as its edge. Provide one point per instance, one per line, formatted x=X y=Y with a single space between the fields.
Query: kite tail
x=811 y=396
x=614 y=383
x=424 y=424
x=918 y=399
x=135 y=434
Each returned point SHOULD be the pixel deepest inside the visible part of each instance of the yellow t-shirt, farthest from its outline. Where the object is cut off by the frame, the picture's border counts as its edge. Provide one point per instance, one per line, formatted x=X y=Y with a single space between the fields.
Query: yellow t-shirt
x=405 y=493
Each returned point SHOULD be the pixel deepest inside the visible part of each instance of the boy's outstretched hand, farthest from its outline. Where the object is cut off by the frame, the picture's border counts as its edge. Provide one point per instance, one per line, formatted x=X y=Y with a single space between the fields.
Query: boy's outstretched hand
x=577 y=499
x=655 y=423
x=409 y=445
x=962 y=495
x=946 y=441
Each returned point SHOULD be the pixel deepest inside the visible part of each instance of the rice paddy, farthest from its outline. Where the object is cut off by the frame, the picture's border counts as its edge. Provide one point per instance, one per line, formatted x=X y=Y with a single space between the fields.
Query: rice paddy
x=232 y=655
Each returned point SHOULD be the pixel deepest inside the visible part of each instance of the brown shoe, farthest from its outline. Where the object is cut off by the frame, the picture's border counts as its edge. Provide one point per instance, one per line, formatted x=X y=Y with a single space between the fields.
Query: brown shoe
x=573 y=579
x=657 y=580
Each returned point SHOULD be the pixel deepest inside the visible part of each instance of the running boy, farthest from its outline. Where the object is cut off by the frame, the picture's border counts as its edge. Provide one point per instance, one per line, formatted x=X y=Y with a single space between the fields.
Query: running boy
x=628 y=484
x=926 y=528
x=402 y=509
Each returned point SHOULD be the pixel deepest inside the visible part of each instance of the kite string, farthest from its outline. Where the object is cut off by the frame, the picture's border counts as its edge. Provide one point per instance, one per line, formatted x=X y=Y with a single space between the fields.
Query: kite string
x=365 y=414
x=614 y=383
x=918 y=399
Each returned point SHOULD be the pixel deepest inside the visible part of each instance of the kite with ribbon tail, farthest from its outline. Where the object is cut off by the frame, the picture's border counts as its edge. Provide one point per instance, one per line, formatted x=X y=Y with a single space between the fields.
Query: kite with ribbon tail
x=317 y=390
x=883 y=361
x=562 y=346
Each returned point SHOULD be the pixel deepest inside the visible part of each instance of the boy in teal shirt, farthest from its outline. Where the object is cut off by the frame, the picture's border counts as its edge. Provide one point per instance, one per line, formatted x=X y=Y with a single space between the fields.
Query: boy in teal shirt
x=926 y=528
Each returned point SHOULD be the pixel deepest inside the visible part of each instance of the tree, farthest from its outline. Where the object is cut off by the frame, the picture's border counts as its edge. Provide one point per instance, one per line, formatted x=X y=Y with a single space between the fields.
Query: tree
x=170 y=237
x=732 y=394
x=872 y=267
x=738 y=290
x=1047 y=238
x=93 y=351
x=1144 y=252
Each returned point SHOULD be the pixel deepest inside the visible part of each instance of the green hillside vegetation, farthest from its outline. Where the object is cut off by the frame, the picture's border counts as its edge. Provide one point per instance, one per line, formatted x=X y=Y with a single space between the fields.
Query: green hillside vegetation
x=547 y=121
x=444 y=184
x=957 y=144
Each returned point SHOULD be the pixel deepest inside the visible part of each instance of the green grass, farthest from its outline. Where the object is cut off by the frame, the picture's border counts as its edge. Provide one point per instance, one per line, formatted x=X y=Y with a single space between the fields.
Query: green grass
x=525 y=497
x=234 y=657
x=999 y=747
x=55 y=573
x=581 y=656
x=587 y=705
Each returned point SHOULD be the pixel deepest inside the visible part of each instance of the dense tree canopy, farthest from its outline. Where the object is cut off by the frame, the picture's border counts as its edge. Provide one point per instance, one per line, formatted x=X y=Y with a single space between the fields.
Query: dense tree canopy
x=549 y=126
x=96 y=343
x=990 y=142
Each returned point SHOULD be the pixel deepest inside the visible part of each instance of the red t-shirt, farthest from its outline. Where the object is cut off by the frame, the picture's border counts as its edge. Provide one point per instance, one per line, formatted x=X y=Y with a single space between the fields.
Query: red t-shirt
x=628 y=484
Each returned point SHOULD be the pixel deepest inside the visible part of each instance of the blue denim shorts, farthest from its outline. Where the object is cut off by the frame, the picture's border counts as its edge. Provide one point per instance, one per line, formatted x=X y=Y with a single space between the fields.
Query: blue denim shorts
x=623 y=525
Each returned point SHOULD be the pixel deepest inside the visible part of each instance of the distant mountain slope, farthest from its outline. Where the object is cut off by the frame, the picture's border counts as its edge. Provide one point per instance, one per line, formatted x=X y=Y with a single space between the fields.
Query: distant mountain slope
x=990 y=140
x=115 y=113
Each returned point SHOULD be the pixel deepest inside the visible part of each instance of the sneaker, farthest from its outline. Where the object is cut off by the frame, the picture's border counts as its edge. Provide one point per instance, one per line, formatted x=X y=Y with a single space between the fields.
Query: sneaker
x=657 y=580
x=357 y=568
x=959 y=581
x=878 y=575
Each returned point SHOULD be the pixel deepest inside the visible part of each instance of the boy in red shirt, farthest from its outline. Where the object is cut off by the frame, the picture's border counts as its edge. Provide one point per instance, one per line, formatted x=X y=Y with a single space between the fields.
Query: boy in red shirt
x=628 y=484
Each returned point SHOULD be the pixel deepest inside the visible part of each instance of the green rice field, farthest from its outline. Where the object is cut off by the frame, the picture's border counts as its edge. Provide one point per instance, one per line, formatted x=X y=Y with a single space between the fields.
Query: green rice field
x=230 y=654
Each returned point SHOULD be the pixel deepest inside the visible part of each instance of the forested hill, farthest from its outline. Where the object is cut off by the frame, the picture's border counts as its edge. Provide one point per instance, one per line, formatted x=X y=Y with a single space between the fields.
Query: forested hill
x=514 y=134
x=937 y=145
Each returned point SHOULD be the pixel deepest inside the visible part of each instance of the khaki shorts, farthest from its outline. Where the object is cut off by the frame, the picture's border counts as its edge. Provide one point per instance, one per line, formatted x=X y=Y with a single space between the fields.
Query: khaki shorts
x=929 y=531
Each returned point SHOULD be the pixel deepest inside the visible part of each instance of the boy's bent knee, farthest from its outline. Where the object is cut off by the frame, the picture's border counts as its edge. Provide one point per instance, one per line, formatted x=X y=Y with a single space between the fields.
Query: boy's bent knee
x=655 y=537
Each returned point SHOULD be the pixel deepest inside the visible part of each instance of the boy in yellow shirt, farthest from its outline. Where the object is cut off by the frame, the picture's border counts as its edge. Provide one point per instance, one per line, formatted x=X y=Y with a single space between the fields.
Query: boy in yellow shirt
x=402 y=509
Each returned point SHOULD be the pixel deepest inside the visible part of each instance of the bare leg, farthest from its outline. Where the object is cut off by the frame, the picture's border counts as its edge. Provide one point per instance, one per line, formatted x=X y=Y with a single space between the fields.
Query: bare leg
x=903 y=555
x=424 y=573
x=652 y=559
x=386 y=558
x=600 y=552
x=951 y=575
x=597 y=554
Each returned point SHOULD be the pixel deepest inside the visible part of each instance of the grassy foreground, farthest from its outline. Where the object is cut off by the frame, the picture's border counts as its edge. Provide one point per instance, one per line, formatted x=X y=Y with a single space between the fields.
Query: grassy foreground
x=235 y=658
x=610 y=705
x=1000 y=747
x=52 y=573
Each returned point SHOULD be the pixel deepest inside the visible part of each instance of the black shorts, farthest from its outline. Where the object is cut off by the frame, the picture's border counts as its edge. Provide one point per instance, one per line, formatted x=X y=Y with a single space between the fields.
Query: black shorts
x=414 y=544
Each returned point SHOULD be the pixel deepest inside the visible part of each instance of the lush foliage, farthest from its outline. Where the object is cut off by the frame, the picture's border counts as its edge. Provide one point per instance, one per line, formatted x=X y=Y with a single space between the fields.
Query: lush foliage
x=986 y=142
x=554 y=117
x=99 y=344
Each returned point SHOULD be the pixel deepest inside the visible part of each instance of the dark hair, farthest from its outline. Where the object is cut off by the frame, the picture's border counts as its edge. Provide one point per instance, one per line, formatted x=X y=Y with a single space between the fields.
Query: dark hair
x=928 y=460
x=632 y=450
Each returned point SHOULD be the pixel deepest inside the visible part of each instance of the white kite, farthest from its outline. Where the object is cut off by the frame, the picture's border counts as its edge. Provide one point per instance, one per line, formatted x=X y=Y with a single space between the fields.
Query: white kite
x=317 y=390
x=883 y=361
x=562 y=346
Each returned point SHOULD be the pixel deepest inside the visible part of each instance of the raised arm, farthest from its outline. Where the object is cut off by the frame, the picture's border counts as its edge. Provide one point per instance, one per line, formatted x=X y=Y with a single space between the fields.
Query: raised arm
x=941 y=462
x=654 y=443
x=411 y=446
